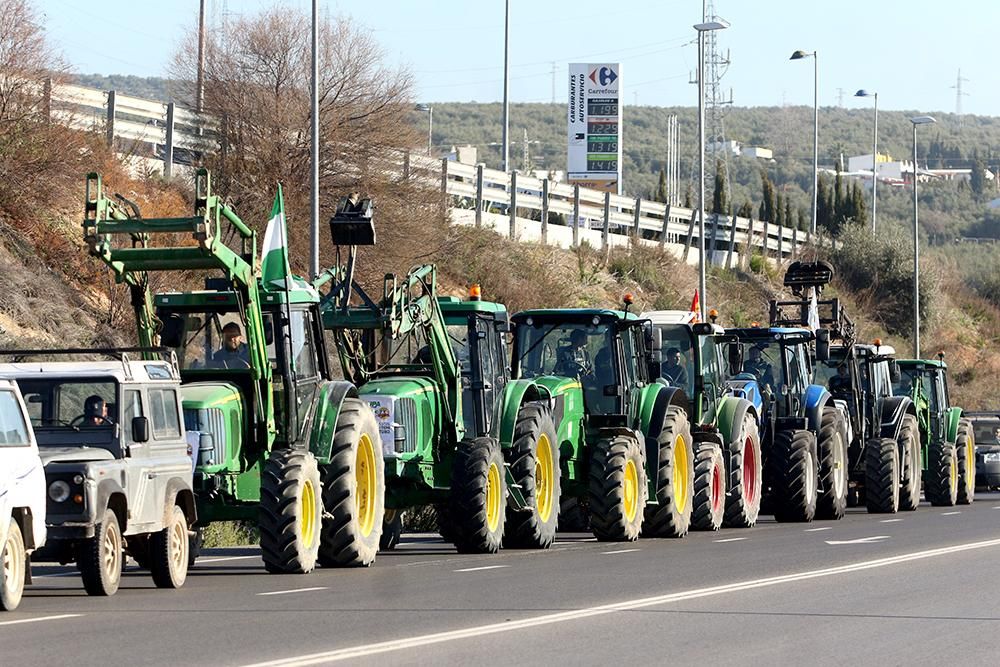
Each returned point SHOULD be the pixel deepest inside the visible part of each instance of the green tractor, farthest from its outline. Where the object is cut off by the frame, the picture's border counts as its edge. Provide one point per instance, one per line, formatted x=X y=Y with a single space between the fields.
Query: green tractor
x=275 y=437
x=946 y=437
x=725 y=416
x=625 y=445
x=456 y=431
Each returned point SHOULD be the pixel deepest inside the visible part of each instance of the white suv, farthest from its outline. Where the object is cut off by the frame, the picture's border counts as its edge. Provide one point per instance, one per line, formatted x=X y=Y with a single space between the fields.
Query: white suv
x=22 y=496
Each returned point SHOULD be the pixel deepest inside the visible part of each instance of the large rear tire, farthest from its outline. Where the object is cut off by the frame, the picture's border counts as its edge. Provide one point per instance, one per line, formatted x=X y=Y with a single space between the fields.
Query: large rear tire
x=100 y=557
x=534 y=464
x=793 y=475
x=831 y=446
x=709 y=488
x=965 y=448
x=13 y=568
x=618 y=489
x=353 y=490
x=882 y=492
x=168 y=551
x=942 y=474
x=909 y=442
x=290 y=512
x=478 y=496
x=745 y=476
x=392 y=530
x=671 y=515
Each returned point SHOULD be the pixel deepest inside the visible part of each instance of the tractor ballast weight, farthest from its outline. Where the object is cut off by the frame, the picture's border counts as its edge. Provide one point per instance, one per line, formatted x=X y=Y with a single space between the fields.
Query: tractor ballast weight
x=280 y=441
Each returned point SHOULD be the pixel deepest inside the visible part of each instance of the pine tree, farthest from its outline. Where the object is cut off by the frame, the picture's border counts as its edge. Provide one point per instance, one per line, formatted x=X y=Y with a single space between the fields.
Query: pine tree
x=746 y=210
x=661 y=188
x=837 y=214
x=687 y=197
x=803 y=220
x=719 y=203
x=789 y=220
x=977 y=179
x=824 y=215
x=860 y=205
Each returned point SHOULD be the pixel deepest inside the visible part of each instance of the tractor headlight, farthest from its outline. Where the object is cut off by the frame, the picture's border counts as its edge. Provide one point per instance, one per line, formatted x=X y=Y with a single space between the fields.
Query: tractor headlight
x=991 y=457
x=59 y=491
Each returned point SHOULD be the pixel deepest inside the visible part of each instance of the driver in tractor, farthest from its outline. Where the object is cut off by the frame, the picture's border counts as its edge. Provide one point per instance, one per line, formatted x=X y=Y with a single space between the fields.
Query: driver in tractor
x=234 y=353
x=760 y=368
x=673 y=370
x=572 y=358
x=95 y=412
x=840 y=383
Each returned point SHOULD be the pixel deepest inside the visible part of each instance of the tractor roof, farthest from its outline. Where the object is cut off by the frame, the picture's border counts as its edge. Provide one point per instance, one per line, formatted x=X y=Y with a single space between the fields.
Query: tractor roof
x=925 y=363
x=574 y=314
x=127 y=371
x=775 y=333
x=301 y=293
x=671 y=316
x=453 y=304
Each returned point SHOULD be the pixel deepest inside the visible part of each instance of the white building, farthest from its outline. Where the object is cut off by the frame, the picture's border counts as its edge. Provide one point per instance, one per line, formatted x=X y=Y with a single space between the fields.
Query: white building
x=758 y=152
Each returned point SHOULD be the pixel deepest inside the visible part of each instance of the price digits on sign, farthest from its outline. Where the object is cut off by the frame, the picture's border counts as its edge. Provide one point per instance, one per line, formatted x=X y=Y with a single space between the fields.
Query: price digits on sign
x=602 y=109
x=597 y=127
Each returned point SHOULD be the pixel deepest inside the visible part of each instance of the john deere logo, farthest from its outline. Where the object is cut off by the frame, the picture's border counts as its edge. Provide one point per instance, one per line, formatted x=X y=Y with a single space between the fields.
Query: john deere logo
x=603 y=76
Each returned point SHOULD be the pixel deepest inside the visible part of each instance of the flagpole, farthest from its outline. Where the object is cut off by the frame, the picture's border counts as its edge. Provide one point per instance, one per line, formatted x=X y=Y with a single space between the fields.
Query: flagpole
x=314 y=120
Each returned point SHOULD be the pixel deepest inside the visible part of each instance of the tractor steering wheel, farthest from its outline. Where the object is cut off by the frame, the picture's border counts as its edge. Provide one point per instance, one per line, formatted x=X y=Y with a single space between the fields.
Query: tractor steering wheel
x=78 y=420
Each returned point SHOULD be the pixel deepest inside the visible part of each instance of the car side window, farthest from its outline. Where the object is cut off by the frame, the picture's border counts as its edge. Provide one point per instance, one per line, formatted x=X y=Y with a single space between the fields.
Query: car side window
x=13 y=429
x=163 y=414
x=131 y=408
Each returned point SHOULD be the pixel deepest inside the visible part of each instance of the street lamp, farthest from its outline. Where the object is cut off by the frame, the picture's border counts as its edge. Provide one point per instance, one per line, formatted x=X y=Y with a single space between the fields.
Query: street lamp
x=702 y=28
x=865 y=93
x=799 y=55
x=917 y=120
x=430 y=122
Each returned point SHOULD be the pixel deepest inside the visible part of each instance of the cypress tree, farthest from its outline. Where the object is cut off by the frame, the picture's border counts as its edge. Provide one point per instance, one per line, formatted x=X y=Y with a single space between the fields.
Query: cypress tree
x=719 y=203
x=661 y=188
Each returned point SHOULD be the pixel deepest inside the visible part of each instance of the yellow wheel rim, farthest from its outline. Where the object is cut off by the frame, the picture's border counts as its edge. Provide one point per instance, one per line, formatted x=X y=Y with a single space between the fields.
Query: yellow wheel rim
x=307 y=513
x=682 y=482
x=544 y=478
x=493 y=497
x=364 y=495
x=631 y=488
x=953 y=474
x=970 y=466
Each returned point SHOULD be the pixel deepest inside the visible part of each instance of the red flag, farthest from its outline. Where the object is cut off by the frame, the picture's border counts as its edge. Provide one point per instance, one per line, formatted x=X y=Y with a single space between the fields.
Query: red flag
x=695 y=305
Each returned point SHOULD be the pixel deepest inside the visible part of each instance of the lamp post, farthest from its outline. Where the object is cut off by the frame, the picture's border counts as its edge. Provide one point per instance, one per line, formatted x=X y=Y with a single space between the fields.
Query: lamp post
x=430 y=123
x=505 y=139
x=314 y=146
x=799 y=55
x=917 y=120
x=865 y=93
x=702 y=28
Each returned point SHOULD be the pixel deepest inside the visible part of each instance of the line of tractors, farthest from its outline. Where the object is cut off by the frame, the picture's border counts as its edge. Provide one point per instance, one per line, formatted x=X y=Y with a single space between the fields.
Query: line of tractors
x=508 y=426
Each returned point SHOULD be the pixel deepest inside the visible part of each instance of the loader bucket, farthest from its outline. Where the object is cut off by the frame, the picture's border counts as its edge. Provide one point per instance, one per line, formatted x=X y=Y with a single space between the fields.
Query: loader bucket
x=352 y=224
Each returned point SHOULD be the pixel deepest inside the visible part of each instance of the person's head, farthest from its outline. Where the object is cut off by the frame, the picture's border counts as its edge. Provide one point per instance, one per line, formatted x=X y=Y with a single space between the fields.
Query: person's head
x=842 y=370
x=95 y=410
x=998 y=434
x=232 y=336
x=578 y=338
x=673 y=357
x=754 y=353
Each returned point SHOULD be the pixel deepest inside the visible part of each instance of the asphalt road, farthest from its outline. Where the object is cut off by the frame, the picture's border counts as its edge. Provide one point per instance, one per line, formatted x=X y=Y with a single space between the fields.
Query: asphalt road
x=916 y=588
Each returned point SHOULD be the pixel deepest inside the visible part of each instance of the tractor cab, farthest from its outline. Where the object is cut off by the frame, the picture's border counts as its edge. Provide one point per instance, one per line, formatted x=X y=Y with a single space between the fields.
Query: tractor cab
x=779 y=360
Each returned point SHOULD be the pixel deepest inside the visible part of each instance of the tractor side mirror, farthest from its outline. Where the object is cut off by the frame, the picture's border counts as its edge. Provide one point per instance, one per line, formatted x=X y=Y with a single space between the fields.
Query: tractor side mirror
x=612 y=390
x=734 y=353
x=656 y=344
x=894 y=373
x=140 y=429
x=822 y=345
x=503 y=322
x=172 y=333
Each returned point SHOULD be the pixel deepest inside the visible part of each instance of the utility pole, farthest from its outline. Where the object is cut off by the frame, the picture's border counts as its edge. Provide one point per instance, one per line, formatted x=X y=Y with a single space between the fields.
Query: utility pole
x=840 y=97
x=525 y=155
x=200 y=84
x=553 y=82
x=505 y=140
x=314 y=166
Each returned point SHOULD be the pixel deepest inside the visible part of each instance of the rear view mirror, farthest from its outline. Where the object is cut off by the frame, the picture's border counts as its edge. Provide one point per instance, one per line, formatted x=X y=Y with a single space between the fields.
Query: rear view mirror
x=822 y=345
x=656 y=344
x=702 y=329
x=502 y=321
x=894 y=373
x=172 y=333
x=140 y=429
x=734 y=353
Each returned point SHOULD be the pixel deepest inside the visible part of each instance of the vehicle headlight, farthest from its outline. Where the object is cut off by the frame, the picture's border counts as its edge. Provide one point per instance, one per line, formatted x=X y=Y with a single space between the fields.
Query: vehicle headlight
x=59 y=491
x=991 y=457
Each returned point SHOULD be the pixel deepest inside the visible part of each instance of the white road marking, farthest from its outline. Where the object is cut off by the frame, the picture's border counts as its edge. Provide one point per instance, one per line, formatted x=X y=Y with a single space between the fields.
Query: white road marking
x=295 y=590
x=861 y=540
x=620 y=551
x=484 y=567
x=354 y=652
x=40 y=619
x=949 y=513
x=889 y=520
x=996 y=507
x=816 y=530
x=225 y=558
x=730 y=539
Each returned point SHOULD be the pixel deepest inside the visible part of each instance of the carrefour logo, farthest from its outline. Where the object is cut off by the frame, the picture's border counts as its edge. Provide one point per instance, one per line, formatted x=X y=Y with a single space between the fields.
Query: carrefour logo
x=603 y=76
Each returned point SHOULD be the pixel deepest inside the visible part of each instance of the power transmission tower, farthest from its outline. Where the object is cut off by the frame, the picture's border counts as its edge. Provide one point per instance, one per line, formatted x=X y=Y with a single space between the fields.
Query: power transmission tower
x=840 y=97
x=958 y=95
x=553 y=82
x=716 y=101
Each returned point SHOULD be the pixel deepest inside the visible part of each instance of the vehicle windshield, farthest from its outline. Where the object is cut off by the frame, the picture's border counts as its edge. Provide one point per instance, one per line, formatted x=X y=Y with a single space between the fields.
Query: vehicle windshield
x=762 y=361
x=834 y=374
x=59 y=407
x=211 y=340
x=573 y=350
x=907 y=377
x=986 y=430
x=677 y=364
x=13 y=430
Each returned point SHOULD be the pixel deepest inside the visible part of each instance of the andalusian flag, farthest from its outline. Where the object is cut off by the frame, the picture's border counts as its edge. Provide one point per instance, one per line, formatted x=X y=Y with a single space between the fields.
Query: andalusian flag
x=274 y=268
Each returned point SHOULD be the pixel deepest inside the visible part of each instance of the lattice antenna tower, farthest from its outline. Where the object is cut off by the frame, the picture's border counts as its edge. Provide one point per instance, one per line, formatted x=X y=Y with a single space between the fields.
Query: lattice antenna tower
x=959 y=95
x=716 y=102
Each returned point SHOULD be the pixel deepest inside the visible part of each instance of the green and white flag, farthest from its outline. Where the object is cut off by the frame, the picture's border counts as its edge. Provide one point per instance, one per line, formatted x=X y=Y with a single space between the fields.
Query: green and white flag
x=275 y=271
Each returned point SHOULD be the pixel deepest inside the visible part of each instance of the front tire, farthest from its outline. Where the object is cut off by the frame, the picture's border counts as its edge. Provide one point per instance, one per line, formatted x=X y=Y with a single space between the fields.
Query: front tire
x=909 y=442
x=478 y=496
x=618 y=489
x=353 y=490
x=99 y=558
x=965 y=447
x=793 y=473
x=832 y=448
x=746 y=474
x=671 y=515
x=882 y=491
x=534 y=464
x=709 y=488
x=13 y=568
x=168 y=550
x=290 y=512
x=942 y=475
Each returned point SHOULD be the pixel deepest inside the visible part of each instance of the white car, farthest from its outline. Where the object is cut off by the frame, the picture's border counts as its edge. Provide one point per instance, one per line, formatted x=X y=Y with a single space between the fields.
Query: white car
x=22 y=496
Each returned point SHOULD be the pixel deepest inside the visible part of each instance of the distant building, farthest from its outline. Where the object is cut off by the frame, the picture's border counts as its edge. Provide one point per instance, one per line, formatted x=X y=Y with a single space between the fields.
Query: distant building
x=757 y=152
x=464 y=154
x=729 y=146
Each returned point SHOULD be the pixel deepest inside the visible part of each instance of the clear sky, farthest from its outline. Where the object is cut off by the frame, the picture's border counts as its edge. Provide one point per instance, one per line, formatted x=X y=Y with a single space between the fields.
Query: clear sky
x=910 y=51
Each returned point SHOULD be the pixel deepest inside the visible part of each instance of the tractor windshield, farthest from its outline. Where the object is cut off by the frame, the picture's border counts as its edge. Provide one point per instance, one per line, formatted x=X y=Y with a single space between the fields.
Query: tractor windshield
x=762 y=361
x=986 y=429
x=574 y=350
x=62 y=410
x=677 y=364
x=910 y=375
x=211 y=340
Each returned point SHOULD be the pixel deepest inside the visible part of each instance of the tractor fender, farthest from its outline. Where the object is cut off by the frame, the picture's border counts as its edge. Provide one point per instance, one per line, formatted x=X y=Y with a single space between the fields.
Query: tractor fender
x=179 y=493
x=329 y=400
x=111 y=495
x=731 y=412
x=954 y=416
x=816 y=399
x=656 y=398
x=747 y=389
x=515 y=394
x=893 y=410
